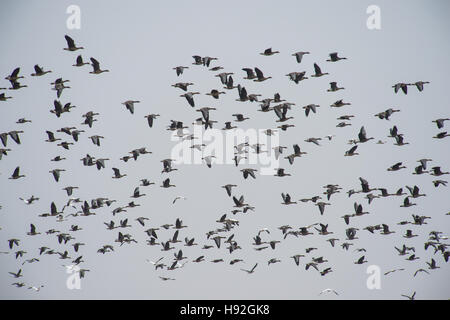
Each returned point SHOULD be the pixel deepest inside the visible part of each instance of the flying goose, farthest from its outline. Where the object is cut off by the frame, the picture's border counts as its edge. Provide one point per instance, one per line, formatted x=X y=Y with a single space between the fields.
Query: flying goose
x=334 y=57
x=179 y=70
x=419 y=85
x=96 y=66
x=190 y=97
x=129 y=104
x=260 y=76
x=268 y=52
x=287 y=199
x=79 y=62
x=318 y=71
x=334 y=87
x=39 y=71
x=14 y=76
x=251 y=270
x=299 y=55
x=71 y=44
x=16 y=174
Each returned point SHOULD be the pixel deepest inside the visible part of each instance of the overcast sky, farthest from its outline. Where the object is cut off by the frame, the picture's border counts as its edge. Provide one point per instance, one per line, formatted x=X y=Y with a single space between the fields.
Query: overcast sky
x=140 y=42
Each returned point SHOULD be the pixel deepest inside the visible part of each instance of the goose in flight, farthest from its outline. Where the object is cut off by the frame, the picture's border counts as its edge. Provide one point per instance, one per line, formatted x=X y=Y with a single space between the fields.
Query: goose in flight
x=281 y=112
x=273 y=260
x=437 y=172
x=440 y=122
x=325 y=271
x=360 y=260
x=96 y=139
x=207 y=60
x=39 y=71
x=3 y=97
x=419 y=85
x=328 y=291
x=287 y=199
x=386 y=230
x=197 y=60
x=129 y=104
x=229 y=83
x=334 y=87
x=182 y=85
x=137 y=194
x=351 y=152
x=441 y=135
x=268 y=52
x=17 y=274
x=56 y=173
x=402 y=86
x=250 y=74
x=334 y=57
x=365 y=186
x=321 y=205
x=297 y=76
x=339 y=103
x=30 y=200
x=323 y=229
x=317 y=71
x=314 y=140
x=239 y=202
x=96 y=66
x=71 y=44
x=249 y=172
x=117 y=174
x=251 y=270
x=310 y=107
x=151 y=118
x=412 y=297
x=432 y=265
x=396 y=167
x=199 y=259
x=79 y=62
x=179 y=70
x=59 y=86
x=178 y=198
x=299 y=55
x=420 y=270
x=420 y=170
x=393 y=270
x=415 y=192
x=15 y=136
x=32 y=231
x=228 y=187
x=166 y=184
x=16 y=86
x=260 y=76
x=190 y=97
x=14 y=76
x=223 y=76
x=215 y=93
x=16 y=174
x=167 y=164
x=351 y=233
x=437 y=183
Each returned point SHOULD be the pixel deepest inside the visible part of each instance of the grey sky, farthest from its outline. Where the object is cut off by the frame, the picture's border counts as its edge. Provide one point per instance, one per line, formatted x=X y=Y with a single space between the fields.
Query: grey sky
x=140 y=43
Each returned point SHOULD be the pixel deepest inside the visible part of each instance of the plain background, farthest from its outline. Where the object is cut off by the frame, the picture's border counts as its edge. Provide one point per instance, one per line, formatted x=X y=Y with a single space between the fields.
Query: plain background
x=140 y=42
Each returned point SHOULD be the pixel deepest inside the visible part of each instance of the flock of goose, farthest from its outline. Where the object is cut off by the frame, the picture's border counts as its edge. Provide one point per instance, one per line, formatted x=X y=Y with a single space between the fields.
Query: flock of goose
x=173 y=237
